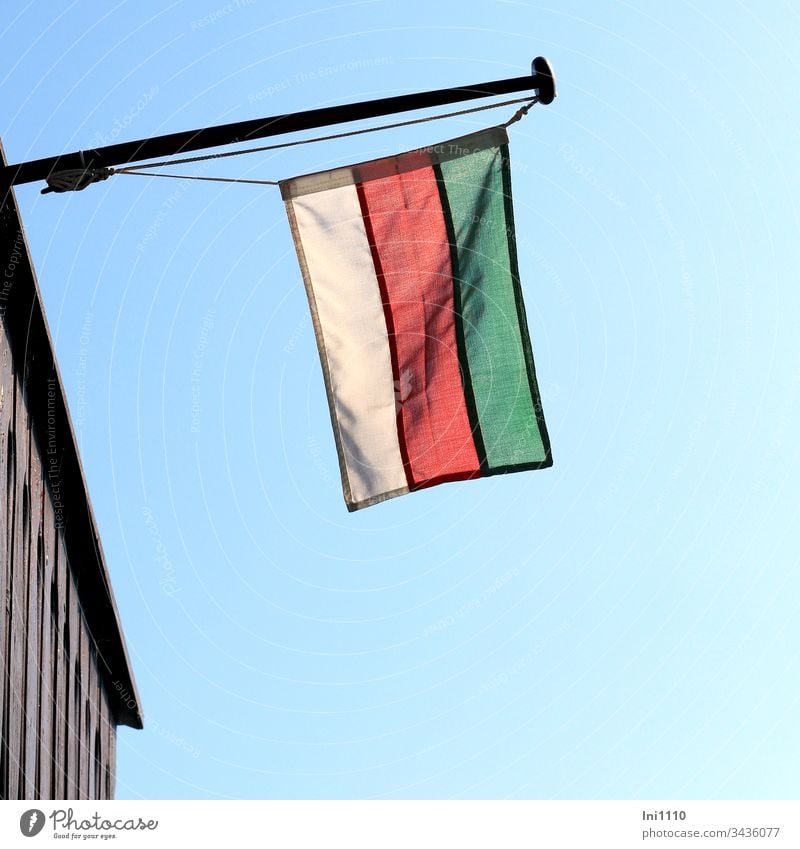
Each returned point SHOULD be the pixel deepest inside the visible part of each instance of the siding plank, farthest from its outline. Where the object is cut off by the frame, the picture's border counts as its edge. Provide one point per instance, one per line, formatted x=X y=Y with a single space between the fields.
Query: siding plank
x=6 y=409
x=16 y=665
x=47 y=726
x=108 y=737
x=73 y=682
x=33 y=629
x=62 y=661
x=84 y=753
x=111 y=753
x=100 y=749
x=91 y=720
x=6 y=498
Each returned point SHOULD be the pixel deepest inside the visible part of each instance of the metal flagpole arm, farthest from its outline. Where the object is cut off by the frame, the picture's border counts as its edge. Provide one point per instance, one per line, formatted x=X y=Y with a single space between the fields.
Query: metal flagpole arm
x=541 y=79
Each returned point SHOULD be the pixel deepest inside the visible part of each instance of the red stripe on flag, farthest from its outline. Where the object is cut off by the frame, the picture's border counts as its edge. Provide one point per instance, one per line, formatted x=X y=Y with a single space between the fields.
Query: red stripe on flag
x=406 y=230
x=387 y=313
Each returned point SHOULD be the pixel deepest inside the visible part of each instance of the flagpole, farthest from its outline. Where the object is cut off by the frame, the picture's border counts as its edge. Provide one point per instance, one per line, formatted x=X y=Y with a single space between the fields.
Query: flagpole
x=540 y=79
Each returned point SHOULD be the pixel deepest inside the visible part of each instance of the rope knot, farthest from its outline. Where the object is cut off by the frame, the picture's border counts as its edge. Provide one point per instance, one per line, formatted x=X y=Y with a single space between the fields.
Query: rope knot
x=521 y=112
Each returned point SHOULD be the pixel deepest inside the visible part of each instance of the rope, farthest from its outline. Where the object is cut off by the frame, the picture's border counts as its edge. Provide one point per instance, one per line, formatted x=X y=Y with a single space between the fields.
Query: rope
x=531 y=101
x=196 y=177
x=65 y=181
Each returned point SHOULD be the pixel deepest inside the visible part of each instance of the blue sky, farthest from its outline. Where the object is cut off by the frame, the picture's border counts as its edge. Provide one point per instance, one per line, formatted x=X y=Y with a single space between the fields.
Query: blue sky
x=623 y=625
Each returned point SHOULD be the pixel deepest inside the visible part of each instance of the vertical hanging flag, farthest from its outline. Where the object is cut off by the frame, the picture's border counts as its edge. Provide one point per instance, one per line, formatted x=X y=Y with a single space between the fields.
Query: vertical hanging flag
x=410 y=267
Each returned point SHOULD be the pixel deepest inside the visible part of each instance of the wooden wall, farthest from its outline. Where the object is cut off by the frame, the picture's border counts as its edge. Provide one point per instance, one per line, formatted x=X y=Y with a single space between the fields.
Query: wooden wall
x=56 y=714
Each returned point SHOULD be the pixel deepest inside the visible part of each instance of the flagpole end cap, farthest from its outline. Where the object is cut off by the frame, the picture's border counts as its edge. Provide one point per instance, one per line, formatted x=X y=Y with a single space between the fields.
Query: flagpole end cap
x=544 y=79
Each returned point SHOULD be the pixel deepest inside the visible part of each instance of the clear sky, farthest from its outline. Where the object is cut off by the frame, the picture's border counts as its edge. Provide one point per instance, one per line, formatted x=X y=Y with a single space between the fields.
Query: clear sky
x=623 y=625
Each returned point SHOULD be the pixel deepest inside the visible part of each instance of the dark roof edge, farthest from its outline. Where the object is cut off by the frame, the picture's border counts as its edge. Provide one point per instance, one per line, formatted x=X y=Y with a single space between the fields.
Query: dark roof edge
x=34 y=353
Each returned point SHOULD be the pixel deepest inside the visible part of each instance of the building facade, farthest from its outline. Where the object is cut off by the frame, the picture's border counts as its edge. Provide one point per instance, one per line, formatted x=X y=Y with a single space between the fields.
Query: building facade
x=65 y=676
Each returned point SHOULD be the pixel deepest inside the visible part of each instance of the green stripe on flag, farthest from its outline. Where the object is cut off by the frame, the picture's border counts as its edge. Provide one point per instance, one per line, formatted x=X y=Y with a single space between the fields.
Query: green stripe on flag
x=495 y=334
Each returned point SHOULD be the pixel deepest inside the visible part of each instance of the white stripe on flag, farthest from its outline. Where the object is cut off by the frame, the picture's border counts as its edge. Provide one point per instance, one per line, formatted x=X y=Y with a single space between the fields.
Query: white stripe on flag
x=350 y=318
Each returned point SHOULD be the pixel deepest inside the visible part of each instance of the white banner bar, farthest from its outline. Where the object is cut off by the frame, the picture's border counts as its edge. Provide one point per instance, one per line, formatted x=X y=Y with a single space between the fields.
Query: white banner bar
x=403 y=824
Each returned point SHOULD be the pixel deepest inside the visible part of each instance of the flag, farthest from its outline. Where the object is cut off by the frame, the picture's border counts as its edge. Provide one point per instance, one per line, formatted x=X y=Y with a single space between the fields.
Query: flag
x=410 y=267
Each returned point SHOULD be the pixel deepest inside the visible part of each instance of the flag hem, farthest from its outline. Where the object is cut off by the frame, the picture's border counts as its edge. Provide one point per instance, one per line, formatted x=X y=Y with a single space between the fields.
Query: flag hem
x=400 y=163
x=546 y=463
x=353 y=506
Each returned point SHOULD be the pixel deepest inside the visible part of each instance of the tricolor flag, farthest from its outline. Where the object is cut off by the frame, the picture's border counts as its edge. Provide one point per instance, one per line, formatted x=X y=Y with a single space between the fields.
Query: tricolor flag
x=410 y=267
